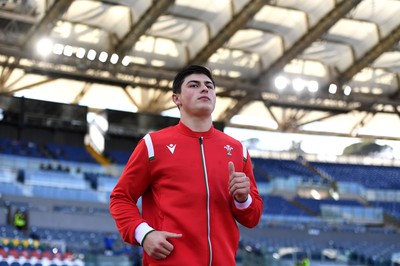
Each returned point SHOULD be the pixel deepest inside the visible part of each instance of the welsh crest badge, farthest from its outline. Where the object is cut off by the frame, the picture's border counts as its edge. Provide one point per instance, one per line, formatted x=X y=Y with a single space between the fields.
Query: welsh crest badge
x=228 y=149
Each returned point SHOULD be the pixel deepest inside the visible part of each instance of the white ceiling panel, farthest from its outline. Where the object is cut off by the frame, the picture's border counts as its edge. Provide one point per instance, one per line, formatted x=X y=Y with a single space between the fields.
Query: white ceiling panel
x=336 y=62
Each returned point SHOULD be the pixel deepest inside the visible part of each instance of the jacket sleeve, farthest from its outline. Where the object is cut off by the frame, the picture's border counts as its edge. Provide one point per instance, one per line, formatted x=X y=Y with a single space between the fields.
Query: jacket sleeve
x=251 y=215
x=130 y=187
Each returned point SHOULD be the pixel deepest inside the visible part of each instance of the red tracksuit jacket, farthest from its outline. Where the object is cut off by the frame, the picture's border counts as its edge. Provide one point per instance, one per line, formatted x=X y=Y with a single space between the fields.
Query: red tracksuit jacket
x=183 y=179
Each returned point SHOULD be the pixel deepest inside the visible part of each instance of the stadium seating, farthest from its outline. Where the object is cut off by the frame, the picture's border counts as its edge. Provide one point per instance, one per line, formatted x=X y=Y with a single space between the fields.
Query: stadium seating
x=279 y=206
x=377 y=177
x=63 y=173
x=69 y=153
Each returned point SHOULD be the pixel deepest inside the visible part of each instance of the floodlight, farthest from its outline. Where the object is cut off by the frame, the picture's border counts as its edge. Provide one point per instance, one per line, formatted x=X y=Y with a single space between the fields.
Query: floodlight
x=114 y=58
x=332 y=88
x=281 y=82
x=68 y=50
x=126 y=61
x=44 y=46
x=298 y=84
x=103 y=56
x=347 y=90
x=58 y=49
x=80 y=52
x=313 y=86
x=91 y=55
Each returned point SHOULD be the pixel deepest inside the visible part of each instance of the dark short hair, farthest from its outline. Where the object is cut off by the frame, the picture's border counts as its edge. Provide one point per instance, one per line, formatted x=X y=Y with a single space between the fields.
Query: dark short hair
x=189 y=70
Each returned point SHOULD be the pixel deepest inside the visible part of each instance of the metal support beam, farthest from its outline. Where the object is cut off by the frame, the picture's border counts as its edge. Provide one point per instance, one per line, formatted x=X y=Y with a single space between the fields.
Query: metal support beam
x=53 y=14
x=384 y=45
x=238 y=21
x=312 y=35
x=32 y=85
x=234 y=109
x=6 y=73
x=80 y=95
x=144 y=23
x=309 y=132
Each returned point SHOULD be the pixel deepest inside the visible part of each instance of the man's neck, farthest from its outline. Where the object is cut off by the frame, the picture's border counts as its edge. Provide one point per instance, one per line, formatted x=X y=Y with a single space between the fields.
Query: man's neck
x=197 y=124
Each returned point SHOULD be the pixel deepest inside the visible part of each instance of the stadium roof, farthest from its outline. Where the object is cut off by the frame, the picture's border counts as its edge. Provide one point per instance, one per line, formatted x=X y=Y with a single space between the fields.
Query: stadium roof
x=301 y=66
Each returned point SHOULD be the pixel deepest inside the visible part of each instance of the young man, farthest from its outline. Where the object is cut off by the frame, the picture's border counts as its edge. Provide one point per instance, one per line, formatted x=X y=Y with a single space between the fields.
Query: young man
x=195 y=182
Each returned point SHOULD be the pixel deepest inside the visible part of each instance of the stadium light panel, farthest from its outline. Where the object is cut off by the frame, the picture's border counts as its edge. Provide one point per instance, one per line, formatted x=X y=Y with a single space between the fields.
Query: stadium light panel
x=313 y=86
x=80 y=53
x=91 y=55
x=126 y=61
x=58 y=49
x=298 y=84
x=332 y=88
x=103 y=56
x=44 y=46
x=347 y=90
x=281 y=82
x=68 y=50
x=114 y=59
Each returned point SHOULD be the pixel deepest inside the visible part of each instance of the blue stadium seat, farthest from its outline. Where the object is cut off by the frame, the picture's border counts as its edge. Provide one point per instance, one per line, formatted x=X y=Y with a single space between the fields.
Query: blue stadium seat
x=279 y=206
x=316 y=204
x=120 y=157
x=370 y=176
x=70 y=153
x=10 y=189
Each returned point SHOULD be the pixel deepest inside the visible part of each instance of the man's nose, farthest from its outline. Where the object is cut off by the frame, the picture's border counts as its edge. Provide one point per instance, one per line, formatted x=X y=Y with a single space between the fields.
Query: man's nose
x=204 y=87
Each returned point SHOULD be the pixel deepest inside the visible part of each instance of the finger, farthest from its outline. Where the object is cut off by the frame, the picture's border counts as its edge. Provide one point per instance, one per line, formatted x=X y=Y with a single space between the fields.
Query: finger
x=166 y=244
x=159 y=253
x=172 y=235
x=235 y=188
x=231 y=168
x=239 y=184
x=163 y=250
x=240 y=193
x=237 y=179
x=166 y=248
x=159 y=256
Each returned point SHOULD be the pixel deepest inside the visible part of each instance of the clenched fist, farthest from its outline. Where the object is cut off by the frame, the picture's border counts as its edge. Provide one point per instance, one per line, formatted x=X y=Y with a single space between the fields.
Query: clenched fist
x=239 y=184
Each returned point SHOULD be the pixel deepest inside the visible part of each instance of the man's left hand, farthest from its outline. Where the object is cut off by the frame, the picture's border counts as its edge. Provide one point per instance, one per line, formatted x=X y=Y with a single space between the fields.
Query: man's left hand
x=239 y=184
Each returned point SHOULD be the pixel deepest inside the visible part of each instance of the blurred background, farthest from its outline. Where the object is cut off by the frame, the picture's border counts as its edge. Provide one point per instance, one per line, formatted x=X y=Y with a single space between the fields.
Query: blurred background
x=312 y=87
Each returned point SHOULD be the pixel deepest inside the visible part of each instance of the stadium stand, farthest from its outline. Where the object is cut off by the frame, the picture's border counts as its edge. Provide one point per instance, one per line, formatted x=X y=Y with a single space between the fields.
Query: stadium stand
x=76 y=221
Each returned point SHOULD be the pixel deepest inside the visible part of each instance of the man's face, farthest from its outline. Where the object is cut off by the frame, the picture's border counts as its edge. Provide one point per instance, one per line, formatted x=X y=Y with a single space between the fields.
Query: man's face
x=197 y=95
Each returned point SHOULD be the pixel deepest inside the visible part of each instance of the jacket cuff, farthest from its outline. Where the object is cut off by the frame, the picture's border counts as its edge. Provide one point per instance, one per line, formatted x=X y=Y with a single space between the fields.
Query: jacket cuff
x=141 y=232
x=243 y=205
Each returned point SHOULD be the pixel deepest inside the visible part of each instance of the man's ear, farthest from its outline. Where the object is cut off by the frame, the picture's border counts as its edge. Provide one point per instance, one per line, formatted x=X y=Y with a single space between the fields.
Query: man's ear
x=176 y=99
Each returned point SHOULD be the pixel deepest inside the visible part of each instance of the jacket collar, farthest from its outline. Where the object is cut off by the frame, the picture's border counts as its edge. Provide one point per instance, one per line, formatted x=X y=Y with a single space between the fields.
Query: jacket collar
x=182 y=128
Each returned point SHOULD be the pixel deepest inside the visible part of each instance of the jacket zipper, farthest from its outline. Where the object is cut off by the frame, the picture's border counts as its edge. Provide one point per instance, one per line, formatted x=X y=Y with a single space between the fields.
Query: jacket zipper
x=208 y=199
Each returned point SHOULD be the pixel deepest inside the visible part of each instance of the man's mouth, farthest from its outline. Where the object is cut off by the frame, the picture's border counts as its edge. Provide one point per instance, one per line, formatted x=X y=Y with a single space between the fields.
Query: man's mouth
x=204 y=98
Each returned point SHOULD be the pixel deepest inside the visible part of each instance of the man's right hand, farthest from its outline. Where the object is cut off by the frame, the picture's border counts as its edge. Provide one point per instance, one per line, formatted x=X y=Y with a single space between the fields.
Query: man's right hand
x=156 y=244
